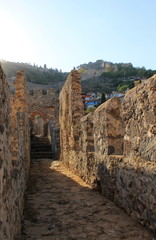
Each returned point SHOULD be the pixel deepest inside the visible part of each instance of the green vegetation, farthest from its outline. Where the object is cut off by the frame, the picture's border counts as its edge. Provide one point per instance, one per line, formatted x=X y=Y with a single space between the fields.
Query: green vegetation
x=89 y=110
x=81 y=70
x=125 y=86
x=34 y=73
x=116 y=77
x=119 y=80
x=128 y=72
x=103 y=98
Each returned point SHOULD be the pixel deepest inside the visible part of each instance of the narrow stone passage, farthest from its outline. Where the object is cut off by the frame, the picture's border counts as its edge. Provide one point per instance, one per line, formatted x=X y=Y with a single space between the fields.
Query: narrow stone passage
x=60 y=206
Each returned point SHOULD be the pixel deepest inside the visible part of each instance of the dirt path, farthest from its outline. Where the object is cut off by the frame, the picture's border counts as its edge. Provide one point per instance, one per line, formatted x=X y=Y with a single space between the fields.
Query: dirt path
x=60 y=206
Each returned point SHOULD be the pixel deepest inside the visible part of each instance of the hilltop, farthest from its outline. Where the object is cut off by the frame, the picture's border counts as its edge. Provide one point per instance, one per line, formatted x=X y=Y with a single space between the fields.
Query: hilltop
x=107 y=76
x=99 y=76
x=36 y=76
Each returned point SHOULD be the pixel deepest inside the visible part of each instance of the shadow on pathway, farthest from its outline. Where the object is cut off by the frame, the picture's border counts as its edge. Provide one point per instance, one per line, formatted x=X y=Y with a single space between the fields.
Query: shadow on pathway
x=60 y=206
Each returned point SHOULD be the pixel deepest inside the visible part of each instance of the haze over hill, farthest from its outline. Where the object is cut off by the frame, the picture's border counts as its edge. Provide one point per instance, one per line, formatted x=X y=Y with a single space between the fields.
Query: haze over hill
x=96 y=76
x=35 y=74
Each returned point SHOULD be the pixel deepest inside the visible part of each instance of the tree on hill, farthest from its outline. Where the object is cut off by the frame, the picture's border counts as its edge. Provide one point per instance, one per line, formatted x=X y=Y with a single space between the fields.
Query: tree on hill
x=103 y=98
x=34 y=73
x=125 y=86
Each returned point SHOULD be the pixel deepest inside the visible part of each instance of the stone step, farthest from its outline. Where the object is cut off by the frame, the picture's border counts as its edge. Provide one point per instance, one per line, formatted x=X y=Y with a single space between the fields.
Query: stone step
x=41 y=155
x=40 y=142
x=37 y=138
x=40 y=148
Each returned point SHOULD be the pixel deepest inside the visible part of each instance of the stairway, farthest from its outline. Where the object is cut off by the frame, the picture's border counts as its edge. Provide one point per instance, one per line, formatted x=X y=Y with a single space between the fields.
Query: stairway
x=40 y=148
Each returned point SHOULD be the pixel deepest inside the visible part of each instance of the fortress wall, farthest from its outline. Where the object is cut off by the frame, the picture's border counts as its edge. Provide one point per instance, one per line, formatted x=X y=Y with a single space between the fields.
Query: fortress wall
x=14 y=155
x=114 y=148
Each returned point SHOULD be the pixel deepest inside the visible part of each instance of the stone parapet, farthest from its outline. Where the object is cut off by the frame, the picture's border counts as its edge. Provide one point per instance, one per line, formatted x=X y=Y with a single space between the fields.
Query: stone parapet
x=139 y=115
x=114 y=148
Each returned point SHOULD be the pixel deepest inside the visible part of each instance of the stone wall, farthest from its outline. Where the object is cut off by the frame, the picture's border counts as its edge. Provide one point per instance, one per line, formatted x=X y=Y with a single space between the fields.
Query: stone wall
x=139 y=114
x=54 y=138
x=43 y=108
x=114 y=148
x=14 y=155
x=70 y=114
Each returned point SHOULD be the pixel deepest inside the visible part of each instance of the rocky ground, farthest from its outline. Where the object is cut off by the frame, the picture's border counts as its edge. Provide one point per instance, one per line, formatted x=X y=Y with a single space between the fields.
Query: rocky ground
x=60 y=206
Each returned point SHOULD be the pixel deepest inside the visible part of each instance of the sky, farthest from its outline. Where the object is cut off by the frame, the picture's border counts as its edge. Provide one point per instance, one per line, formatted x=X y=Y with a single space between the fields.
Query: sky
x=66 y=33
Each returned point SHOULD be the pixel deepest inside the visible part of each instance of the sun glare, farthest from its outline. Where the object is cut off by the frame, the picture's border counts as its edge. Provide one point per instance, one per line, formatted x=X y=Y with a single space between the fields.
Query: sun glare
x=14 y=45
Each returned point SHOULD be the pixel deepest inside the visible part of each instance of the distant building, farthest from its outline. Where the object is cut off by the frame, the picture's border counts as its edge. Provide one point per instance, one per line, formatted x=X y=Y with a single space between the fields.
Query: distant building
x=91 y=94
x=90 y=100
x=92 y=103
x=85 y=99
x=114 y=94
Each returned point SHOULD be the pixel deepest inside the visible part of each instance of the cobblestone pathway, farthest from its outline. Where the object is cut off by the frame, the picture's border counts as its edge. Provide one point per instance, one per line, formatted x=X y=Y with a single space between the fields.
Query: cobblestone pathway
x=60 y=206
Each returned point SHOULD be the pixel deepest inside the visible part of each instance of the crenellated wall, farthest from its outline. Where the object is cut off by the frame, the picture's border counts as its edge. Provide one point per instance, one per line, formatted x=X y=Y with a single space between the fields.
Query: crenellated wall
x=114 y=148
x=14 y=155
